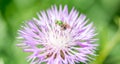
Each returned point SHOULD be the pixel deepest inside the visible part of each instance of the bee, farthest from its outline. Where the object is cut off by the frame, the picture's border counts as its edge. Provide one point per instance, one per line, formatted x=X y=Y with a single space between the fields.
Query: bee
x=63 y=25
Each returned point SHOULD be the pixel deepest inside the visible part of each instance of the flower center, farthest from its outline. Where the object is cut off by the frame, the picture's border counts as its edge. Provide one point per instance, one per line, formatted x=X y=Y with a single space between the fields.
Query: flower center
x=58 y=40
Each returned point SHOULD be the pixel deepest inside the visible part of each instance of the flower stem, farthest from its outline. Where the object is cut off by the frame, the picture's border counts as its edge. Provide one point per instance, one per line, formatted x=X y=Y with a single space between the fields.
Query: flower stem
x=105 y=52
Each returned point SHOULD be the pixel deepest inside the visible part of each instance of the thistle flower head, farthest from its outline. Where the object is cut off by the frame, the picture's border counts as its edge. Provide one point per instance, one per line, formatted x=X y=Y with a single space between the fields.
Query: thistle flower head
x=58 y=37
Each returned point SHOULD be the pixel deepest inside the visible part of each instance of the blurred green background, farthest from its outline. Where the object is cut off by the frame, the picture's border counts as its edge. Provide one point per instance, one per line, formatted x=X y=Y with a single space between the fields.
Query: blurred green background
x=104 y=13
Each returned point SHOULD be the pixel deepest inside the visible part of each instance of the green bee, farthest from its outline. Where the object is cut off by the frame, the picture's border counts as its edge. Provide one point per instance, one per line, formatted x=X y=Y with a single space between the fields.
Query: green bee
x=59 y=23
x=64 y=26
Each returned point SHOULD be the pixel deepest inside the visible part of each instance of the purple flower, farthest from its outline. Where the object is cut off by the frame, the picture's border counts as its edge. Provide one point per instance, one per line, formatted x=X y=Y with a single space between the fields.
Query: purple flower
x=58 y=37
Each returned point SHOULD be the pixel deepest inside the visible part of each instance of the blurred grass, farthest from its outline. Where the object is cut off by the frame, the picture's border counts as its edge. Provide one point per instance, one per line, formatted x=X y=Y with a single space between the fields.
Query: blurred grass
x=102 y=12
